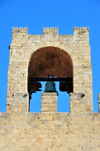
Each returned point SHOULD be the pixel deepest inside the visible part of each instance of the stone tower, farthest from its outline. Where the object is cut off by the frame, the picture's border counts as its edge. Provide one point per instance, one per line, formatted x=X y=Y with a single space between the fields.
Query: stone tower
x=37 y=56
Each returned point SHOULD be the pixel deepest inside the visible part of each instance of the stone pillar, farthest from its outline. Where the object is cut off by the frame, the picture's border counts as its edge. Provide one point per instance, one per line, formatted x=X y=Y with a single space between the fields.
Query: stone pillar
x=78 y=102
x=99 y=102
x=20 y=103
x=49 y=102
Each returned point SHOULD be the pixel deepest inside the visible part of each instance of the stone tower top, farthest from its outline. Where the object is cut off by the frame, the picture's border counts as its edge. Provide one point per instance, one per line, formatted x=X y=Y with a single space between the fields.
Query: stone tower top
x=81 y=30
x=50 y=31
x=20 y=30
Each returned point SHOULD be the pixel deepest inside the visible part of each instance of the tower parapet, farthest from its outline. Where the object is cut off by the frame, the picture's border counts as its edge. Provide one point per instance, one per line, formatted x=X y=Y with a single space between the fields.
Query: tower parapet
x=50 y=31
x=20 y=30
x=81 y=30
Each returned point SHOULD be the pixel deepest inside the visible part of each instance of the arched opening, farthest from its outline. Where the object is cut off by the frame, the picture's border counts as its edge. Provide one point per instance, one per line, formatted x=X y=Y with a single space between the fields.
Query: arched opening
x=50 y=61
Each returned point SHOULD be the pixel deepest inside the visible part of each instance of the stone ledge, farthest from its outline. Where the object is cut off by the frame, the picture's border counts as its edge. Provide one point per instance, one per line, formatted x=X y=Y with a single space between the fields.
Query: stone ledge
x=49 y=94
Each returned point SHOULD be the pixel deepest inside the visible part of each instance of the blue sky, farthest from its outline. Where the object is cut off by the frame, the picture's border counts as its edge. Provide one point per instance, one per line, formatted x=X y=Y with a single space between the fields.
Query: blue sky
x=36 y=14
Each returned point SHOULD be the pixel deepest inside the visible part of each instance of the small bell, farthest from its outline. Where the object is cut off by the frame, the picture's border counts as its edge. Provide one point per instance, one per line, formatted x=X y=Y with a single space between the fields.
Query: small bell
x=50 y=87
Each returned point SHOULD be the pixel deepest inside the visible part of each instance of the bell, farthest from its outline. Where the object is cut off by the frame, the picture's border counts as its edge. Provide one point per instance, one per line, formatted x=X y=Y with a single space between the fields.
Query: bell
x=50 y=87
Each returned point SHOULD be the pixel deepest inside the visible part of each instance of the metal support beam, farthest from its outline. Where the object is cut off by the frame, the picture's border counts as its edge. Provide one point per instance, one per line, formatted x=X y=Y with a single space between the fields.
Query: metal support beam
x=50 y=79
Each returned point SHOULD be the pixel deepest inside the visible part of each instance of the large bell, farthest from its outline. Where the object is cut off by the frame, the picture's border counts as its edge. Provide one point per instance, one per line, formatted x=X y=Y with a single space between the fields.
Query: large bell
x=50 y=87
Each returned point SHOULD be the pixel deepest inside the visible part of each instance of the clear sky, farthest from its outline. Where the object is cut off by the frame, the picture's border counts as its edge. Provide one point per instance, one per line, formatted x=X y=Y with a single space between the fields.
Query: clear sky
x=36 y=14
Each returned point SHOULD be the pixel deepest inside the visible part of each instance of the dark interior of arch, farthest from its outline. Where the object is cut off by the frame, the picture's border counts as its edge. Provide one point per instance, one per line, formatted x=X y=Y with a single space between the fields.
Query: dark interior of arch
x=51 y=61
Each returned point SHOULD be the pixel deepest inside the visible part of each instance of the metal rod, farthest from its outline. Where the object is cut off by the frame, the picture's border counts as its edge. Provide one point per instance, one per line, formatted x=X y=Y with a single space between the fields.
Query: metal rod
x=50 y=79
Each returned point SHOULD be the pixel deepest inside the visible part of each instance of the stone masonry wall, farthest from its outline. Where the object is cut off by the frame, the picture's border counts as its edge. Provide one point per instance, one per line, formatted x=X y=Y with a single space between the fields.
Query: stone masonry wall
x=49 y=130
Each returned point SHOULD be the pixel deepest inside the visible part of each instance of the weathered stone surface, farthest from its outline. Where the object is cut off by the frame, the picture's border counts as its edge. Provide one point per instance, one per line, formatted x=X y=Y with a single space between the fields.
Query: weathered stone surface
x=49 y=130
x=99 y=102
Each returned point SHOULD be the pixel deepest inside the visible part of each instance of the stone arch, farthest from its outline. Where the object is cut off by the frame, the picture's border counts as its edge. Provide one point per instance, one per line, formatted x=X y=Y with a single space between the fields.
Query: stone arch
x=51 y=61
x=63 y=46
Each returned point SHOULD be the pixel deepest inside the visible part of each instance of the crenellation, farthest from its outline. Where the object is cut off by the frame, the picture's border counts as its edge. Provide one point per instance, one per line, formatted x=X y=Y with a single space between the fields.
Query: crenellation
x=81 y=35
x=50 y=31
x=19 y=30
